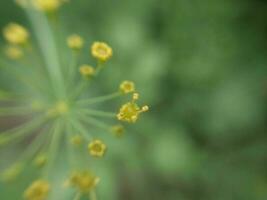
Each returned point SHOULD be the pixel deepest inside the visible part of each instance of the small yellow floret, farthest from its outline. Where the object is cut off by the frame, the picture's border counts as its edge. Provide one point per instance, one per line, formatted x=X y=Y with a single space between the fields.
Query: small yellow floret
x=101 y=51
x=47 y=5
x=87 y=71
x=14 y=52
x=127 y=87
x=75 y=42
x=76 y=140
x=12 y=173
x=40 y=160
x=130 y=111
x=118 y=130
x=83 y=181
x=16 y=34
x=97 y=148
x=38 y=190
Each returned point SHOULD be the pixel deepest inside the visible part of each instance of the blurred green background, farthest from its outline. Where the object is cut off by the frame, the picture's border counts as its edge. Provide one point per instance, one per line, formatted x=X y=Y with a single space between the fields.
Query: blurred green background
x=201 y=65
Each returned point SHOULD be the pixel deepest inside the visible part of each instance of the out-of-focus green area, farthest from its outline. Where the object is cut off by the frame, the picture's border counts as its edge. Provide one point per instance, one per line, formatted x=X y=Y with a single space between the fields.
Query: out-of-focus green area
x=202 y=67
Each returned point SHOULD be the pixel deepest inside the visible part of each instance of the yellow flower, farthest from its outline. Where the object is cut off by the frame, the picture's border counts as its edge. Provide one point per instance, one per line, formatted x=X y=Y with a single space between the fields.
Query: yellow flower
x=97 y=148
x=47 y=5
x=83 y=181
x=12 y=173
x=13 y=52
x=87 y=71
x=40 y=160
x=38 y=190
x=101 y=51
x=127 y=87
x=117 y=130
x=130 y=111
x=75 y=42
x=76 y=140
x=16 y=34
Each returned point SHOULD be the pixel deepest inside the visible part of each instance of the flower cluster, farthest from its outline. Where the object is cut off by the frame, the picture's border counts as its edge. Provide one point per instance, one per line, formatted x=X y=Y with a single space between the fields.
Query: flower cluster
x=54 y=103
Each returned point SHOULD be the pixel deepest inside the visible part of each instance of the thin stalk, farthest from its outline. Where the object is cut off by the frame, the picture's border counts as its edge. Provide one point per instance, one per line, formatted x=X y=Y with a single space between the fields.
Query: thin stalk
x=100 y=99
x=48 y=48
x=94 y=122
x=97 y=113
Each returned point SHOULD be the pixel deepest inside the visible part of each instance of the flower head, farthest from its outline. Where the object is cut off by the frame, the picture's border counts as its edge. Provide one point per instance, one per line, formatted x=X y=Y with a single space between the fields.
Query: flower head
x=12 y=173
x=87 y=71
x=40 y=160
x=83 y=181
x=127 y=87
x=76 y=140
x=75 y=42
x=13 y=52
x=101 y=51
x=38 y=190
x=47 y=5
x=97 y=148
x=130 y=111
x=117 y=130
x=16 y=34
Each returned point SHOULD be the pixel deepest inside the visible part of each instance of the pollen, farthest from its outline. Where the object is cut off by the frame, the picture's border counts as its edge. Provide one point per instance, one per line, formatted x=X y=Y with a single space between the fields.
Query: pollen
x=101 y=51
x=14 y=52
x=47 y=5
x=16 y=34
x=83 y=181
x=38 y=190
x=130 y=111
x=75 y=42
x=127 y=87
x=87 y=71
x=97 y=148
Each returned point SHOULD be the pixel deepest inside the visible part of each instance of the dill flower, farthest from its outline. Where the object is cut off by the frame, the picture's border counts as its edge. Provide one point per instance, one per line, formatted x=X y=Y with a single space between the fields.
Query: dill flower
x=13 y=52
x=118 y=130
x=97 y=148
x=75 y=42
x=83 y=181
x=76 y=140
x=101 y=51
x=16 y=34
x=130 y=111
x=38 y=190
x=47 y=5
x=127 y=87
x=12 y=173
x=40 y=160
x=87 y=71
x=54 y=101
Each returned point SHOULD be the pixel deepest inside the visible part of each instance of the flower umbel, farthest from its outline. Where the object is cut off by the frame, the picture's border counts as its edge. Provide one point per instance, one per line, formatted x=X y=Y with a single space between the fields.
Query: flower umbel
x=38 y=190
x=52 y=105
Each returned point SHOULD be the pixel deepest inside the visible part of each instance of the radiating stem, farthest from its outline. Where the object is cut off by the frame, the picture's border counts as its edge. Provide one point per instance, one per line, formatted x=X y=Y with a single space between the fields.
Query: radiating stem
x=101 y=99
x=92 y=195
x=97 y=113
x=48 y=48
x=78 y=196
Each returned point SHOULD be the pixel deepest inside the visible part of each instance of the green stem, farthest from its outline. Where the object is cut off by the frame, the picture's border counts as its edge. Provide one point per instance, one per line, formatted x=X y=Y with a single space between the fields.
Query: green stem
x=100 y=99
x=92 y=195
x=94 y=122
x=48 y=48
x=97 y=113
x=77 y=125
x=78 y=196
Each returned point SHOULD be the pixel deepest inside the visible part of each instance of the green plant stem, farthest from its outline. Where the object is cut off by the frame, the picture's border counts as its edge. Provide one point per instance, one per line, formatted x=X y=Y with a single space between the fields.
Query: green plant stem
x=97 y=113
x=48 y=48
x=90 y=101
x=92 y=195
